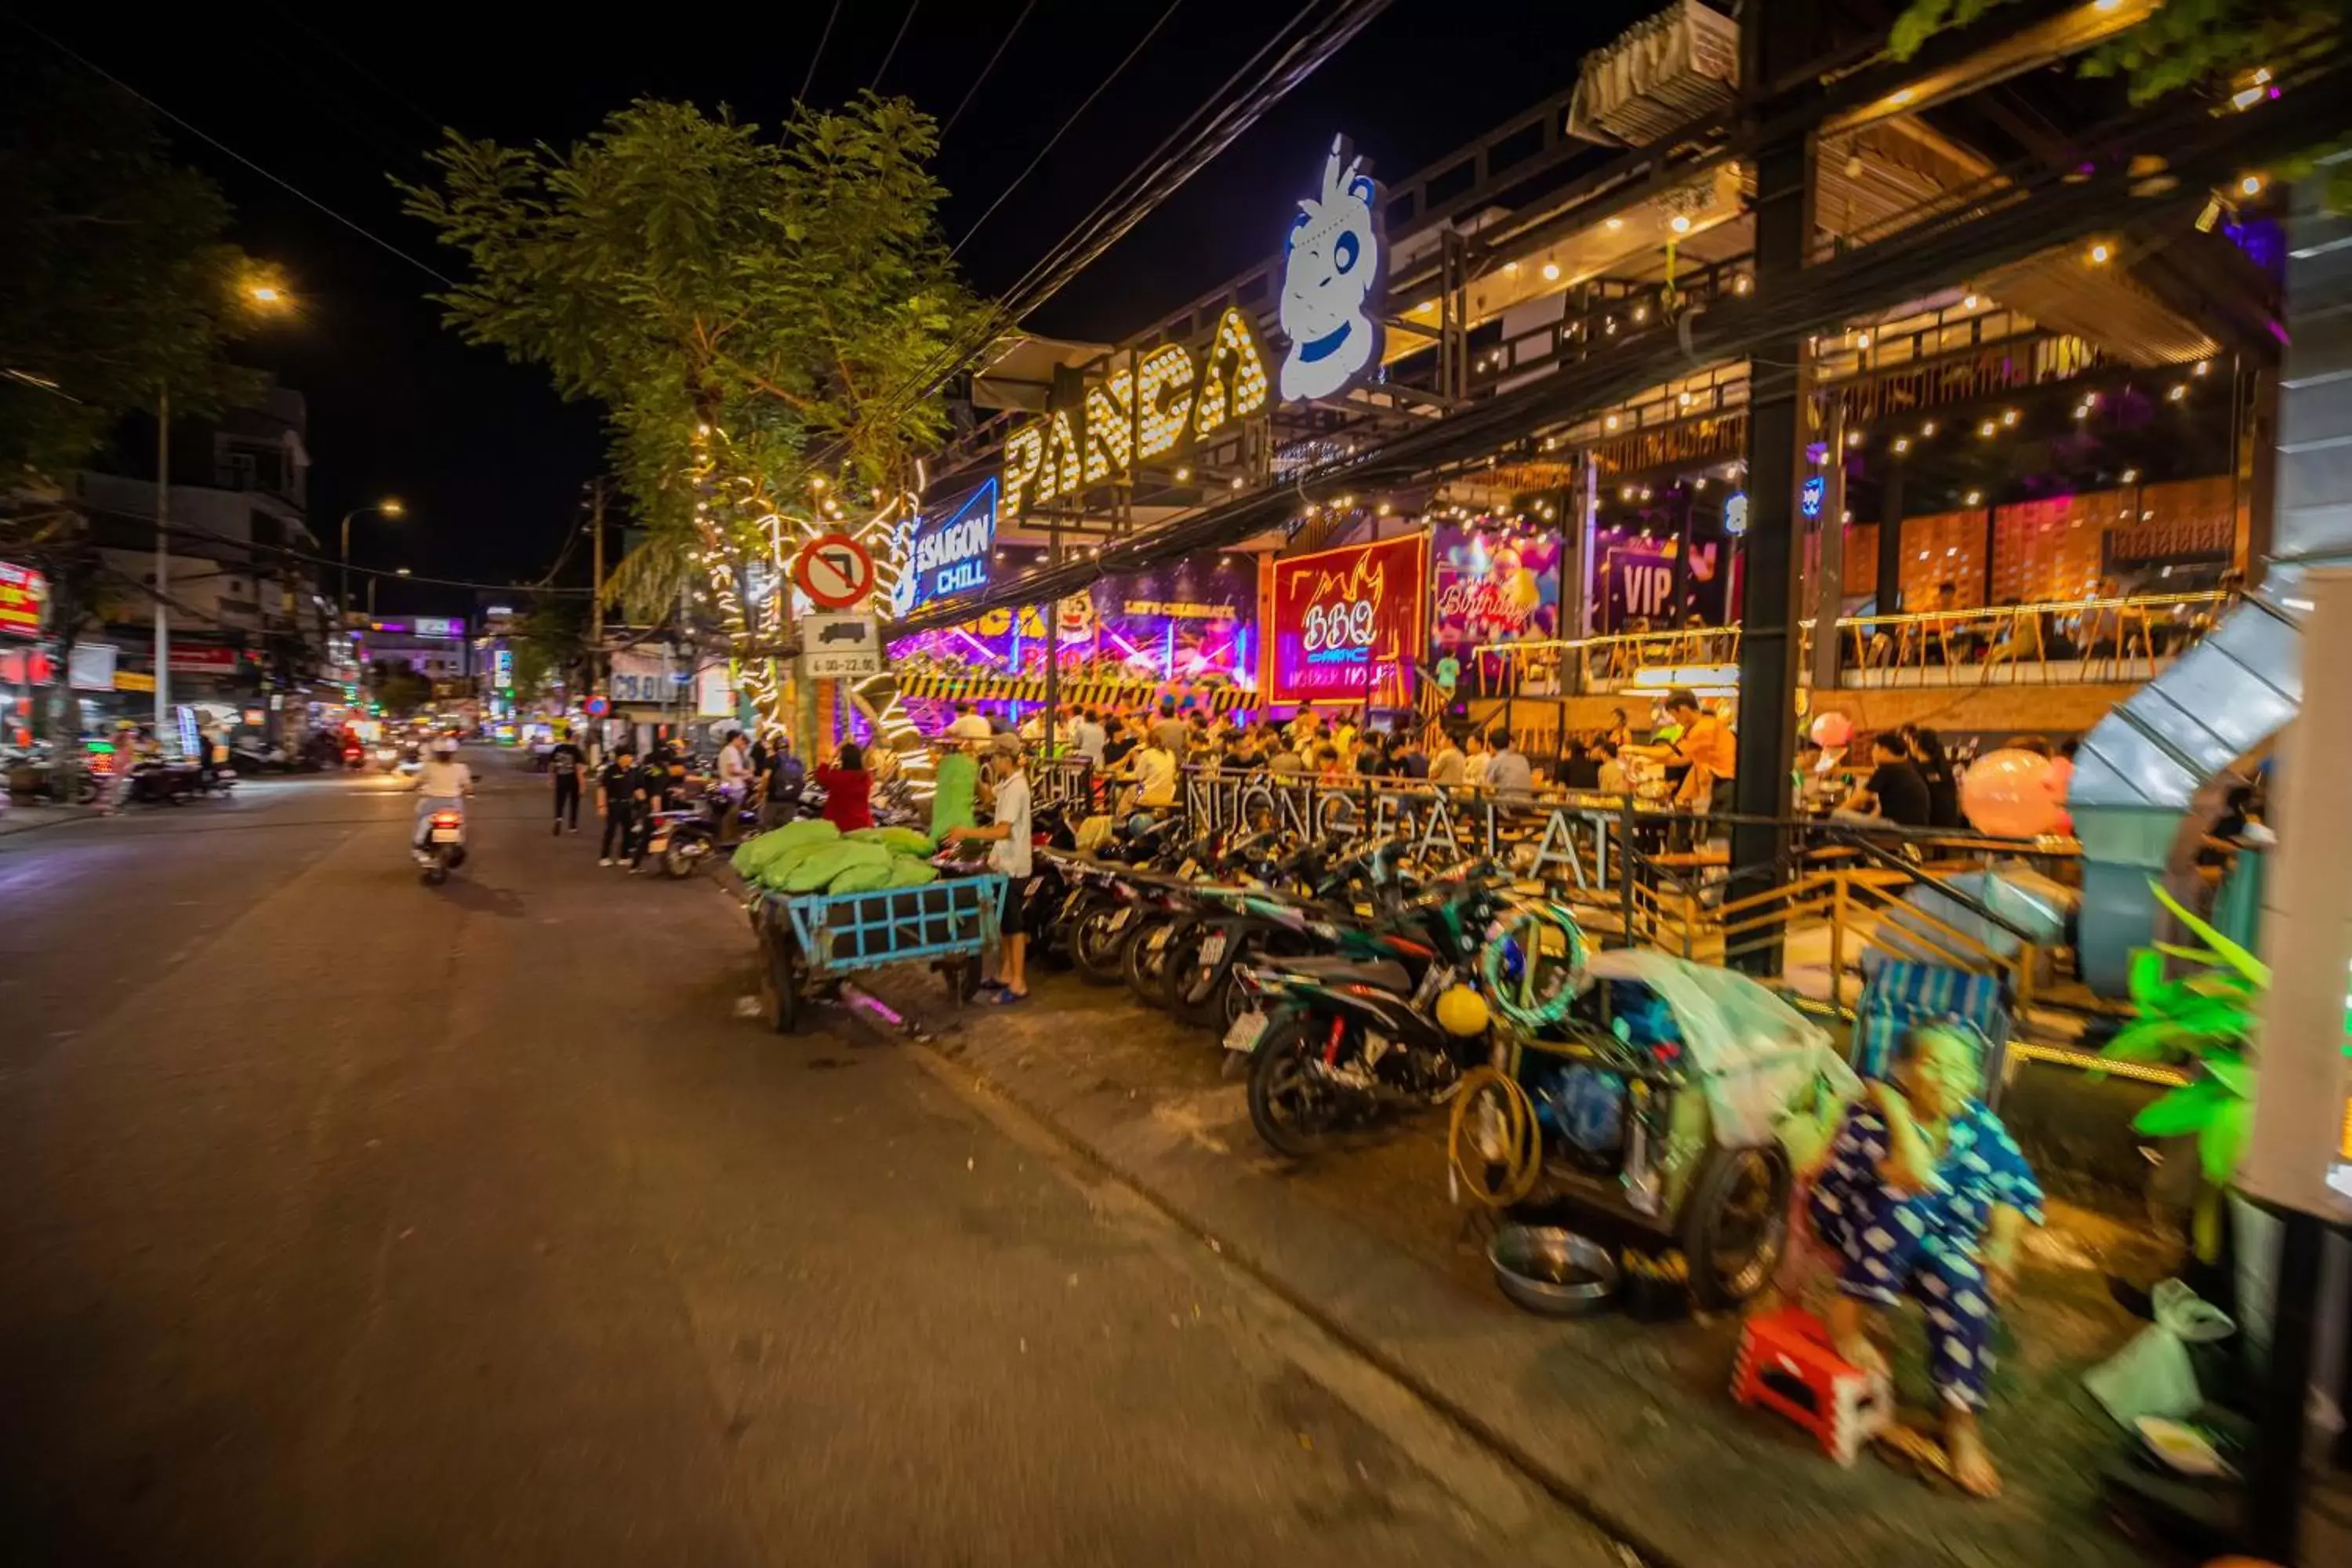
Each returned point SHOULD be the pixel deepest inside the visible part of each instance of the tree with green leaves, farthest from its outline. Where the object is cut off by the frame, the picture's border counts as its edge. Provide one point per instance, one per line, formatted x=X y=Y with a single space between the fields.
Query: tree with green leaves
x=550 y=644
x=2184 y=43
x=117 y=278
x=760 y=316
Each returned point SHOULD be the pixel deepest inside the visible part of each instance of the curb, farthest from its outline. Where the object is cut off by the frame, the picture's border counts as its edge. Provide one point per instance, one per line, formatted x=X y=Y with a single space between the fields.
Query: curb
x=1631 y=1542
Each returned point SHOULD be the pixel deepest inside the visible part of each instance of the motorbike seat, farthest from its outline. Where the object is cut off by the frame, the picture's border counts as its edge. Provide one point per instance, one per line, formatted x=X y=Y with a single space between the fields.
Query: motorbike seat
x=1386 y=973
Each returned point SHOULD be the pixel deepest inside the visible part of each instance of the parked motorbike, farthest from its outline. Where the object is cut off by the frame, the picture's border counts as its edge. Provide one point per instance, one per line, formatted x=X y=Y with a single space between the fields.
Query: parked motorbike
x=1342 y=1041
x=1307 y=907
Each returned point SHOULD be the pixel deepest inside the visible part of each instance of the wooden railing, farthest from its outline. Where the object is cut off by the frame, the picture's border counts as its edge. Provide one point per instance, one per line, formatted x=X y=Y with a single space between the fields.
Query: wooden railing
x=2052 y=643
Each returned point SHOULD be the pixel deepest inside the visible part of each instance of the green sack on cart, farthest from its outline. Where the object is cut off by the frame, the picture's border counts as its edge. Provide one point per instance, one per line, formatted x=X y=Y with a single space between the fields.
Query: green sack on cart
x=860 y=878
x=904 y=840
x=906 y=872
x=818 y=868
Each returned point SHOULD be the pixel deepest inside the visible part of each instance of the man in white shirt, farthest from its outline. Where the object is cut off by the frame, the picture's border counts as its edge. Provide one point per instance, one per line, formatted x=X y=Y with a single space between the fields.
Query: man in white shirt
x=1474 y=761
x=1087 y=737
x=1509 y=773
x=1009 y=856
x=1446 y=766
x=969 y=725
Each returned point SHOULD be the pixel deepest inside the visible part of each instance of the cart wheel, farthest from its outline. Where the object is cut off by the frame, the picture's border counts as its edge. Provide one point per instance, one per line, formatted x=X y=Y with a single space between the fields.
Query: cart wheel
x=1735 y=1222
x=963 y=975
x=780 y=984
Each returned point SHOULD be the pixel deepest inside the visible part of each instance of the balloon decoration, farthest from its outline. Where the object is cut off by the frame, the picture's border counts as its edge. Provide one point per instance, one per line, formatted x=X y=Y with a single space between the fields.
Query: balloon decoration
x=2008 y=794
x=1831 y=730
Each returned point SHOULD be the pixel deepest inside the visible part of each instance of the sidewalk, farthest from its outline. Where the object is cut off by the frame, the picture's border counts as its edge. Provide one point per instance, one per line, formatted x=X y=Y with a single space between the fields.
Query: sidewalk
x=1631 y=1422
x=25 y=818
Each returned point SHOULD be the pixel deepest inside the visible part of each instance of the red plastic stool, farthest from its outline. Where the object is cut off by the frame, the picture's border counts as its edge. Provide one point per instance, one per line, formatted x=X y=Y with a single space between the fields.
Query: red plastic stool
x=1786 y=1363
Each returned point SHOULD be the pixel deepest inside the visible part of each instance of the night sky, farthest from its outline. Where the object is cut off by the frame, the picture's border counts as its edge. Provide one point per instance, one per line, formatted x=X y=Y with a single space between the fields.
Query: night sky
x=491 y=463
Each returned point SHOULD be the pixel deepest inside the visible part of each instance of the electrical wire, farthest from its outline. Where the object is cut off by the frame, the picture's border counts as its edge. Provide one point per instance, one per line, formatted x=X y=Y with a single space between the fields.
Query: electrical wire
x=807 y=80
x=904 y=22
x=1140 y=194
x=308 y=558
x=1100 y=87
x=1002 y=45
x=283 y=184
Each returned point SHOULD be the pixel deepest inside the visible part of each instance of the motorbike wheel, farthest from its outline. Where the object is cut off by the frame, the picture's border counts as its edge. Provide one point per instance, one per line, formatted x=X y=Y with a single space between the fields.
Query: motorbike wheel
x=1210 y=996
x=437 y=871
x=1097 y=949
x=1292 y=1111
x=1145 y=962
x=1181 y=980
x=1735 y=1222
x=676 y=862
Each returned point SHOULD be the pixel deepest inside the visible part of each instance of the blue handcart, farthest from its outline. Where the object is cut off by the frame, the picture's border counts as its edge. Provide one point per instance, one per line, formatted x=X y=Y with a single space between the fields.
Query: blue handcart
x=809 y=942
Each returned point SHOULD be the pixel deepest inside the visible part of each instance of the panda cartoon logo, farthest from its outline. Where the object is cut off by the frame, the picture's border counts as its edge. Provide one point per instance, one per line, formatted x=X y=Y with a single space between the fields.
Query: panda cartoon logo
x=1330 y=281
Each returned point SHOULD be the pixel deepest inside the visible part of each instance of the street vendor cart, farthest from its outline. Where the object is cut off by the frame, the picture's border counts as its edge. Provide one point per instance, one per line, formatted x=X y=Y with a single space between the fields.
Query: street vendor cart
x=810 y=942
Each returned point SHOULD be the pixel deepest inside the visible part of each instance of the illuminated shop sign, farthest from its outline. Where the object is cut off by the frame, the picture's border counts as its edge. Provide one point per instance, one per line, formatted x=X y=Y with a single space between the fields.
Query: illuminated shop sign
x=502 y=669
x=24 y=593
x=1809 y=497
x=1347 y=623
x=1334 y=266
x=947 y=554
x=1152 y=407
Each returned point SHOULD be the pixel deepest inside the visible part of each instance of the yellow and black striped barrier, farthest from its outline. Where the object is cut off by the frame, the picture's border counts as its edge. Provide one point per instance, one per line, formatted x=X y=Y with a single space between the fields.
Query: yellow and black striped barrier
x=939 y=687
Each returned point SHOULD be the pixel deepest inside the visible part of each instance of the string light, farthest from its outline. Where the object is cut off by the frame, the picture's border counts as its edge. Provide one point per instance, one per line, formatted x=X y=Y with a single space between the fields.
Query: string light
x=2008 y=416
x=1902 y=445
x=1986 y=429
x=1552 y=272
x=2131 y=476
x=2178 y=390
x=1968 y=302
x=1928 y=430
x=2101 y=254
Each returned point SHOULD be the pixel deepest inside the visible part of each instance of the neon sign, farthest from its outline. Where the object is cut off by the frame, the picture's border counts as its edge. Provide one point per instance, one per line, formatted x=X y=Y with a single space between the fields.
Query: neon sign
x=947 y=555
x=1152 y=407
x=1333 y=266
x=1809 y=498
x=1347 y=622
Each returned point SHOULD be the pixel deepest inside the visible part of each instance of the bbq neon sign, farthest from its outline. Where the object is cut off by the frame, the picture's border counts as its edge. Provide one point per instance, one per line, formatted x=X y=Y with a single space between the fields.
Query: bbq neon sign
x=1347 y=622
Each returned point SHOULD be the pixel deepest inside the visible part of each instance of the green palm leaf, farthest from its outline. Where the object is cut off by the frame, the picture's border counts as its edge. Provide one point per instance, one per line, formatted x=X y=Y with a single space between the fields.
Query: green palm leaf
x=2229 y=952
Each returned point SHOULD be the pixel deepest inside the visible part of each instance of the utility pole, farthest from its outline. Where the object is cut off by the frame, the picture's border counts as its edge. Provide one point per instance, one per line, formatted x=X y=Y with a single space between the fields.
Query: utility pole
x=163 y=730
x=596 y=594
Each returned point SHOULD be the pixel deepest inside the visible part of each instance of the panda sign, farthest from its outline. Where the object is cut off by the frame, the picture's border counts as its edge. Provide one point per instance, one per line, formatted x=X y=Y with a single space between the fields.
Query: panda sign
x=1335 y=265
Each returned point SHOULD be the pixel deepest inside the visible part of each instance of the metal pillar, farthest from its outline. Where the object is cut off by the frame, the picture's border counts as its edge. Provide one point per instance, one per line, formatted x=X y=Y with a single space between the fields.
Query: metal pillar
x=1776 y=435
x=1890 y=541
x=1829 y=554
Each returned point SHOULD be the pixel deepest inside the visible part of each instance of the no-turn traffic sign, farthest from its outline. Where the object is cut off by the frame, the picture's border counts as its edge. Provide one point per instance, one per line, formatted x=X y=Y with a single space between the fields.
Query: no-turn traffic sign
x=834 y=570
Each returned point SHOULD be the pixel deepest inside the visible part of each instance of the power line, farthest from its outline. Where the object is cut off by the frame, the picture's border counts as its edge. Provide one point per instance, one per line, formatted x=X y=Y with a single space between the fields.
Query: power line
x=215 y=141
x=1065 y=131
x=905 y=22
x=831 y=17
x=1002 y=45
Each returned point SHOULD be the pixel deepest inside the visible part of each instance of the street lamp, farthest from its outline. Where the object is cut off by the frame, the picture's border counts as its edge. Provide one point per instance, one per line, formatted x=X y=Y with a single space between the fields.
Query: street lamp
x=388 y=507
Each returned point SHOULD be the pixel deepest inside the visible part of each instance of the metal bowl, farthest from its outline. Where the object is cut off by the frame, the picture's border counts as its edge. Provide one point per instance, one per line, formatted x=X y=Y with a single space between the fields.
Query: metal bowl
x=1556 y=1272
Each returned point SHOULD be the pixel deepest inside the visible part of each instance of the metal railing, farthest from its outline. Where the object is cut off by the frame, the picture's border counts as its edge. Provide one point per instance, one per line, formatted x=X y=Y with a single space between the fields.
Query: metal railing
x=2048 y=643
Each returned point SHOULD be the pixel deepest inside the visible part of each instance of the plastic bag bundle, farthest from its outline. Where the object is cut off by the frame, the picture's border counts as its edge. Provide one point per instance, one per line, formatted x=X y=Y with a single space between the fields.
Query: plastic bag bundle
x=904 y=840
x=2152 y=1374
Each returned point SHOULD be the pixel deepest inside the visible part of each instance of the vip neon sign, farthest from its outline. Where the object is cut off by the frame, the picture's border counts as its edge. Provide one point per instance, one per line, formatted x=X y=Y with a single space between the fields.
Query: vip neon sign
x=1150 y=408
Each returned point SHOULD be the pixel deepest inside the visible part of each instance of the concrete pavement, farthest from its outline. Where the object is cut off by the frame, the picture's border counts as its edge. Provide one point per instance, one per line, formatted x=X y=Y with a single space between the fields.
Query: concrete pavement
x=343 y=1220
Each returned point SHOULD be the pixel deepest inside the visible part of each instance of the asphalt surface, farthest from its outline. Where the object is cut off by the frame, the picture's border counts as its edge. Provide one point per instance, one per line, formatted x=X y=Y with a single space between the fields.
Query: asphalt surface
x=348 y=1221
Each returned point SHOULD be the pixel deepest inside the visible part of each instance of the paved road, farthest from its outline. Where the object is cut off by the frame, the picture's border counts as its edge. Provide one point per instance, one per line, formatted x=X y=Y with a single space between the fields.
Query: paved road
x=346 y=1221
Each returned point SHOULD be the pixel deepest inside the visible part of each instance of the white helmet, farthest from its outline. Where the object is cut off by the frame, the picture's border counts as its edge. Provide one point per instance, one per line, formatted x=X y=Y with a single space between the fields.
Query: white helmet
x=445 y=748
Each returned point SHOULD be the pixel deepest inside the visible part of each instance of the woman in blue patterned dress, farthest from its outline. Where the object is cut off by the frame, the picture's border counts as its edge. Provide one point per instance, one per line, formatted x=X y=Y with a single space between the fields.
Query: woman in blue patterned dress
x=1925 y=1193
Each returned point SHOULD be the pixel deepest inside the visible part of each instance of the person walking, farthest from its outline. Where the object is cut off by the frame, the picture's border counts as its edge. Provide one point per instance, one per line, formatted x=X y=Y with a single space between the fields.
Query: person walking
x=618 y=786
x=564 y=764
x=735 y=777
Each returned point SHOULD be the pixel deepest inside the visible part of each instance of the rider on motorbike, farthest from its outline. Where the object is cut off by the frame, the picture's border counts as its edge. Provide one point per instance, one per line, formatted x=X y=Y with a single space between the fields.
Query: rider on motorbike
x=441 y=784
